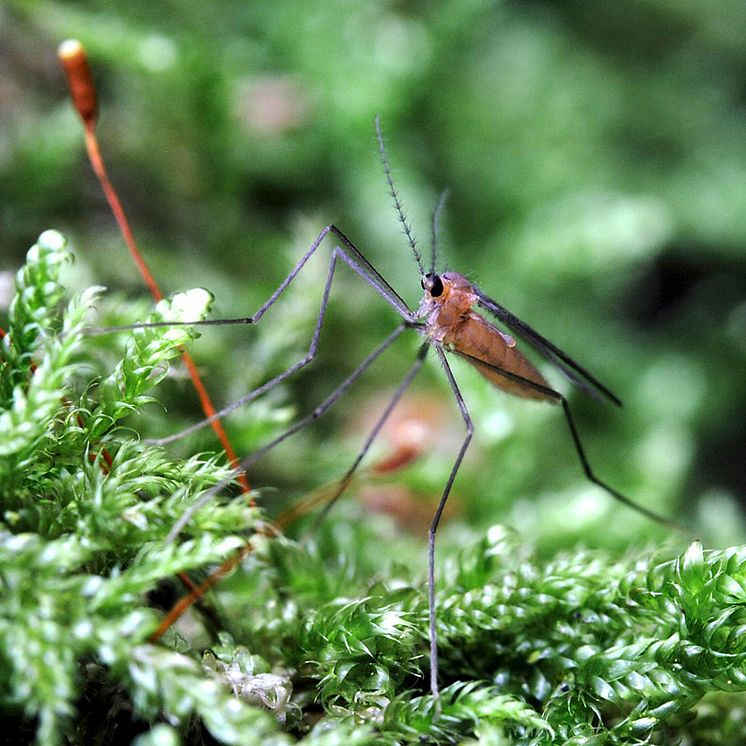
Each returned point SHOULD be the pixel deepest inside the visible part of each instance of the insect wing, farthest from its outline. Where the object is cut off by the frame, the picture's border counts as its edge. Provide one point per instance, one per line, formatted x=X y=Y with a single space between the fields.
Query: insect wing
x=574 y=372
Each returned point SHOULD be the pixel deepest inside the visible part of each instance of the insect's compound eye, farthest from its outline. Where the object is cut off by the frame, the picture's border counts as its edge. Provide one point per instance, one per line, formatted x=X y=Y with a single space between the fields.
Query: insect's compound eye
x=436 y=286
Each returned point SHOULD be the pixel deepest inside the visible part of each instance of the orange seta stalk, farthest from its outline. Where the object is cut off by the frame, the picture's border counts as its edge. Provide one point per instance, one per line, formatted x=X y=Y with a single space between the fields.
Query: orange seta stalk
x=74 y=61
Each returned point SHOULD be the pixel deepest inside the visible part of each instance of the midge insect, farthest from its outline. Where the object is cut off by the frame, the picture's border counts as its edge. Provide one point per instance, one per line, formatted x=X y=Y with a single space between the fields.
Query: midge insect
x=451 y=318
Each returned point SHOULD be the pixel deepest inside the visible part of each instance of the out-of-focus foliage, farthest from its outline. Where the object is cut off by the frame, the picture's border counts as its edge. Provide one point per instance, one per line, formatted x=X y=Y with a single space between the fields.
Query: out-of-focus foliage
x=597 y=172
x=595 y=155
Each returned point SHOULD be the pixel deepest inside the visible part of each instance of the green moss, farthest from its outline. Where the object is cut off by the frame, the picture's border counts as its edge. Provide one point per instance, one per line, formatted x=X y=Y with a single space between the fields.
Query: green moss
x=578 y=648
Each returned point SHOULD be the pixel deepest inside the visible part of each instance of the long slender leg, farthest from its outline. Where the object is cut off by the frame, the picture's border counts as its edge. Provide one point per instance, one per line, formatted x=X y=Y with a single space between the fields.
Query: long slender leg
x=350 y=254
x=372 y=275
x=347 y=477
x=436 y=520
x=337 y=254
x=600 y=483
x=320 y=410
x=354 y=258
x=351 y=260
x=555 y=397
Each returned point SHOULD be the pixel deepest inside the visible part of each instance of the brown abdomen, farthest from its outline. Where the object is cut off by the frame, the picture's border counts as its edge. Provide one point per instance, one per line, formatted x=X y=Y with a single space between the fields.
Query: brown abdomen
x=475 y=339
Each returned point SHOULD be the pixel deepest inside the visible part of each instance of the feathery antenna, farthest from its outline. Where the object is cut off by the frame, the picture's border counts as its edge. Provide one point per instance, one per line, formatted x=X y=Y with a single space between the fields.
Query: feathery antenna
x=395 y=196
x=435 y=228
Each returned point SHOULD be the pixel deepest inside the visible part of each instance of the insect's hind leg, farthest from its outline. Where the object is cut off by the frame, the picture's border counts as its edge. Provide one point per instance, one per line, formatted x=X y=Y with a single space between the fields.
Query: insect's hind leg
x=589 y=473
x=556 y=397
x=551 y=395
x=436 y=520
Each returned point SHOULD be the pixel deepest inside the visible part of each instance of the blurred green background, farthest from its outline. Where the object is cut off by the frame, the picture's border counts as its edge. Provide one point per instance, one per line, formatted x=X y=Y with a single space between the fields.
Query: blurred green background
x=596 y=159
